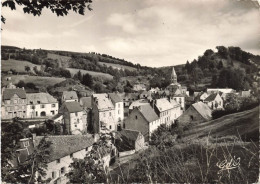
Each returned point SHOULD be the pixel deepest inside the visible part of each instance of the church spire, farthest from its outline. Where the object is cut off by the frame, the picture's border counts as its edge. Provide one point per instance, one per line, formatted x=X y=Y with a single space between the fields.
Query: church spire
x=173 y=76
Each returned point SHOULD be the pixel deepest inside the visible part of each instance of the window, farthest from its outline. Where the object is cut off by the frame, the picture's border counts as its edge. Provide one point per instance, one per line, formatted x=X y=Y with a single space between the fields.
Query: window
x=118 y=111
x=52 y=112
x=15 y=101
x=110 y=127
x=109 y=113
x=118 y=105
x=76 y=113
x=71 y=155
x=38 y=102
x=104 y=114
x=53 y=105
x=26 y=144
x=62 y=170
x=53 y=174
x=58 y=161
x=77 y=120
x=31 y=102
x=42 y=106
x=135 y=117
x=76 y=126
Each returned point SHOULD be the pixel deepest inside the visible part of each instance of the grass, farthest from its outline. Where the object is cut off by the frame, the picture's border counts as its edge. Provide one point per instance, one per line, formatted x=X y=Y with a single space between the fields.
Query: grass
x=17 y=65
x=63 y=60
x=113 y=65
x=37 y=80
x=244 y=124
x=73 y=71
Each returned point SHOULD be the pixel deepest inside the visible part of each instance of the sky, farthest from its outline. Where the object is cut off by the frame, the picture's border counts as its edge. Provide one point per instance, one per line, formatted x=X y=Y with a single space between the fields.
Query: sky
x=152 y=33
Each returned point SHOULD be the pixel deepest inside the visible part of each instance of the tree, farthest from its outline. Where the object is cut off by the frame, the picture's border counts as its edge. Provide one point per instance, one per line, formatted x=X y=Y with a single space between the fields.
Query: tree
x=60 y=8
x=87 y=80
x=91 y=169
x=27 y=68
x=220 y=65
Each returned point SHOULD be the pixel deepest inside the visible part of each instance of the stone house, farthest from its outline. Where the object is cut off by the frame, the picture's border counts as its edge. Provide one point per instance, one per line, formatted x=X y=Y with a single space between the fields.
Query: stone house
x=214 y=101
x=85 y=103
x=75 y=118
x=143 y=119
x=129 y=140
x=69 y=96
x=180 y=99
x=41 y=105
x=196 y=113
x=63 y=149
x=119 y=109
x=14 y=103
x=103 y=113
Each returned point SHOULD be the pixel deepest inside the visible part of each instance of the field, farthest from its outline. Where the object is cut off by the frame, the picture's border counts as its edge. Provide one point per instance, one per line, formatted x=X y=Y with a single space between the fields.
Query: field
x=37 y=80
x=118 y=66
x=243 y=124
x=17 y=65
x=63 y=60
x=73 y=71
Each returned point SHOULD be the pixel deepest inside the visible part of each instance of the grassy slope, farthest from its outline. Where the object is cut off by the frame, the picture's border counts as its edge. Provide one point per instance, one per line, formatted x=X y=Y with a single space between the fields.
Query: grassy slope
x=117 y=66
x=63 y=60
x=17 y=65
x=94 y=74
x=37 y=80
x=244 y=124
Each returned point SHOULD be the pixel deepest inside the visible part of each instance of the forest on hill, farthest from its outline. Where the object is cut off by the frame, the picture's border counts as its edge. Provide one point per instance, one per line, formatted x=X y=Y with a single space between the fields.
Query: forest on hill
x=227 y=67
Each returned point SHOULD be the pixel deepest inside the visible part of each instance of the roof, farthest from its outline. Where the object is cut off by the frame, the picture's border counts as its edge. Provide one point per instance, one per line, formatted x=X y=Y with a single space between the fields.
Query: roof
x=85 y=102
x=211 y=97
x=129 y=95
x=223 y=90
x=56 y=116
x=9 y=93
x=69 y=95
x=130 y=134
x=103 y=102
x=40 y=98
x=73 y=106
x=64 y=145
x=148 y=112
x=203 y=110
x=115 y=97
x=163 y=104
x=138 y=103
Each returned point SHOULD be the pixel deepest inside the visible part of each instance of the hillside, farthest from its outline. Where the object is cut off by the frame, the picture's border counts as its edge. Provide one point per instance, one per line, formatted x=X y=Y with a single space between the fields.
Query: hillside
x=243 y=124
x=17 y=65
x=73 y=71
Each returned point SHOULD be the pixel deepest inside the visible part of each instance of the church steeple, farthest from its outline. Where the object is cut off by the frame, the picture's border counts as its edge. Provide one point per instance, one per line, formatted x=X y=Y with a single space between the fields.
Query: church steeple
x=173 y=76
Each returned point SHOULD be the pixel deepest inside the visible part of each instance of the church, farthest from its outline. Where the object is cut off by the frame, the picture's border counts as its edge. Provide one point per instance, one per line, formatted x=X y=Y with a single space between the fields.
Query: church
x=175 y=88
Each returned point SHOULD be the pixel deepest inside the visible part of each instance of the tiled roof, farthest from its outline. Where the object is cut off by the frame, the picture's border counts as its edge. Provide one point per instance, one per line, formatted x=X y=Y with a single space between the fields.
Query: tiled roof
x=9 y=93
x=103 y=102
x=138 y=103
x=73 y=106
x=148 y=112
x=211 y=97
x=64 y=145
x=163 y=104
x=40 y=98
x=69 y=95
x=85 y=102
x=223 y=90
x=129 y=134
x=115 y=97
x=203 y=110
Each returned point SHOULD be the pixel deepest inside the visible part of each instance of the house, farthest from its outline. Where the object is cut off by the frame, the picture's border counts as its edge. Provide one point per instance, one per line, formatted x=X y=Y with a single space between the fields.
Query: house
x=103 y=113
x=166 y=111
x=154 y=90
x=63 y=149
x=119 y=109
x=41 y=105
x=14 y=103
x=69 y=96
x=196 y=113
x=138 y=87
x=85 y=103
x=128 y=98
x=58 y=118
x=143 y=119
x=144 y=94
x=138 y=103
x=214 y=101
x=179 y=99
x=127 y=139
x=74 y=116
x=245 y=94
x=223 y=90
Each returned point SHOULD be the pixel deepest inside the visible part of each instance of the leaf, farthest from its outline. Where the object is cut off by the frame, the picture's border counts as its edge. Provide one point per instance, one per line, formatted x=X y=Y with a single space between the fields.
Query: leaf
x=9 y=3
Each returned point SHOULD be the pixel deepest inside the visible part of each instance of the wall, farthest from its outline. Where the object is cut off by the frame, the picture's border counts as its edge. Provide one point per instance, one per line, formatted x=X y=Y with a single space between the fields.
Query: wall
x=139 y=124
x=64 y=162
x=78 y=122
x=119 y=113
x=14 y=109
x=108 y=118
x=36 y=112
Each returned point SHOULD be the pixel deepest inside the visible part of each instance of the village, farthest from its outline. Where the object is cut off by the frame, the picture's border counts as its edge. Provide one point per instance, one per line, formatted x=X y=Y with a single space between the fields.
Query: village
x=130 y=119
